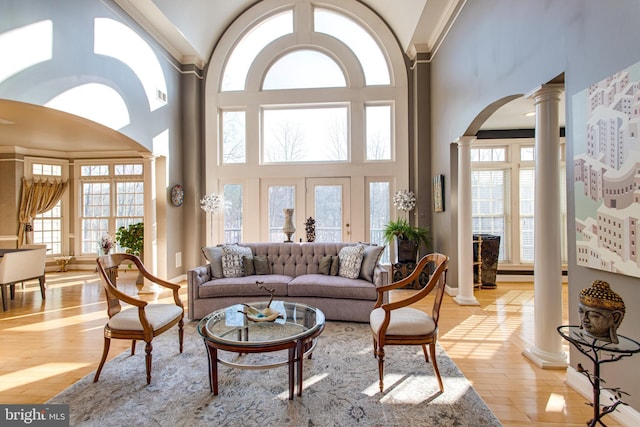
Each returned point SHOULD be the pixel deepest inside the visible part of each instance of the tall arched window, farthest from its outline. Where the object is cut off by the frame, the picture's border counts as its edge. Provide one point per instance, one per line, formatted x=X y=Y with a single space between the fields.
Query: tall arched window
x=298 y=90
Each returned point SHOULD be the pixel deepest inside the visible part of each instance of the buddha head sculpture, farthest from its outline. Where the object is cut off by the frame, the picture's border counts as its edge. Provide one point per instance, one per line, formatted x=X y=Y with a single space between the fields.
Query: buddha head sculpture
x=601 y=311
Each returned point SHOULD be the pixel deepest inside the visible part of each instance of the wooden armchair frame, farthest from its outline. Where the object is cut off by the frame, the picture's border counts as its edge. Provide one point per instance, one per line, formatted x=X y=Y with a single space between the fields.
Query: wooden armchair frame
x=380 y=324
x=147 y=324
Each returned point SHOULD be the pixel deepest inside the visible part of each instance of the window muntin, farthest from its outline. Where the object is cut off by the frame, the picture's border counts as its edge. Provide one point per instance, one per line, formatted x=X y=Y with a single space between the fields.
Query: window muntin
x=493 y=154
x=237 y=67
x=96 y=207
x=280 y=197
x=232 y=213
x=305 y=135
x=233 y=137
x=363 y=45
x=304 y=68
x=94 y=170
x=378 y=128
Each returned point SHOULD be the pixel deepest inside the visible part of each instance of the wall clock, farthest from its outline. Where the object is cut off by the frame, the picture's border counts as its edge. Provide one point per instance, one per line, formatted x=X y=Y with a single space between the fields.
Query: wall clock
x=177 y=195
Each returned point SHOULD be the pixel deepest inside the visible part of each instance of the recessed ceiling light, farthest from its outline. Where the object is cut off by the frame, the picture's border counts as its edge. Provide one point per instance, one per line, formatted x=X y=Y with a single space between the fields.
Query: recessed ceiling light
x=530 y=114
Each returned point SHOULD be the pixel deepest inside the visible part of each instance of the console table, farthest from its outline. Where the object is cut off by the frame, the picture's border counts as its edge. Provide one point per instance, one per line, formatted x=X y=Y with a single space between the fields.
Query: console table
x=599 y=352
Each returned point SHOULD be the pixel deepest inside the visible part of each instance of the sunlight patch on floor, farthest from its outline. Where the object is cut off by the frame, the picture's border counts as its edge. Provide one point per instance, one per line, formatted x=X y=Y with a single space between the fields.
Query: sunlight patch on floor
x=27 y=376
x=556 y=403
x=46 y=325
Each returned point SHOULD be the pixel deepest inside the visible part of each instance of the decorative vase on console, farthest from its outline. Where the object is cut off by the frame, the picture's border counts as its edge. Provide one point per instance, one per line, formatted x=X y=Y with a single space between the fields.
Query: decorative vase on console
x=288 y=228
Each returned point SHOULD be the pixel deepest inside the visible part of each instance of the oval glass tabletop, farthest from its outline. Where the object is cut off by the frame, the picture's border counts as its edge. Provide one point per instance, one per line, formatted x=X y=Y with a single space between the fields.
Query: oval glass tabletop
x=295 y=321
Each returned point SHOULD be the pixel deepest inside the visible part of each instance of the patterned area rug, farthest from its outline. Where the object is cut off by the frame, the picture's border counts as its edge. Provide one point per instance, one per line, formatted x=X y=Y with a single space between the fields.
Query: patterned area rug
x=340 y=388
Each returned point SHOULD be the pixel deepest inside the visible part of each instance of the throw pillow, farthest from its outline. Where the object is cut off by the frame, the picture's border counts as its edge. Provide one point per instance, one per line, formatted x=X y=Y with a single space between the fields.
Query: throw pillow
x=213 y=254
x=247 y=263
x=232 y=265
x=350 y=261
x=335 y=265
x=262 y=265
x=325 y=265
x=372 y=254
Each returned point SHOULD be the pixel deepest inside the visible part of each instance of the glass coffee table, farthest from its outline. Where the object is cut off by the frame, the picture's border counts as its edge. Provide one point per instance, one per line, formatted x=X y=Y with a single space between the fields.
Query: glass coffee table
x=295 y=330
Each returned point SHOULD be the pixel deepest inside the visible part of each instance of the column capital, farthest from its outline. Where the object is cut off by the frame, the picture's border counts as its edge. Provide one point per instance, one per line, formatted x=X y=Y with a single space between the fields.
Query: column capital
x=545 y=90
x=464 y=141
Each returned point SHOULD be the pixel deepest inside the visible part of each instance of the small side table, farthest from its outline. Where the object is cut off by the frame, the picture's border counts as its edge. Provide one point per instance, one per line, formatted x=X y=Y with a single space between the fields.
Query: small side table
x=599 y=352
x=62 y=262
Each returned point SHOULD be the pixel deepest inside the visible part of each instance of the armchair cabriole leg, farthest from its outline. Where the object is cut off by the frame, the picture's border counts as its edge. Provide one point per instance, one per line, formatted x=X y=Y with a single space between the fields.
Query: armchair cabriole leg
x=432 y=350
x=105 y=352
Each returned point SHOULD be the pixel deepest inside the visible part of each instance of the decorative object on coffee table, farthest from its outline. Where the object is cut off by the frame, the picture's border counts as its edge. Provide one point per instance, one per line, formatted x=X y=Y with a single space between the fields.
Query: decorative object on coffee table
x=266 y=314
x=310 y=228
x=601 y=311
x=288 y=228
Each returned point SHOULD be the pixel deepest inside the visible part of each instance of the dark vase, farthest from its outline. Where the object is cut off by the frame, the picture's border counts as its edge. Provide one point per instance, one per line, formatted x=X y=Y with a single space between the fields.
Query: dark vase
x=406 y=250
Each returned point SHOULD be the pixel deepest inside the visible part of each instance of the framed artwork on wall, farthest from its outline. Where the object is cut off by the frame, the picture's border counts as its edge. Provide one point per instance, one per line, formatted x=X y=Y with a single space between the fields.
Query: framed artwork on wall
x=438 y=193
x=606 y=159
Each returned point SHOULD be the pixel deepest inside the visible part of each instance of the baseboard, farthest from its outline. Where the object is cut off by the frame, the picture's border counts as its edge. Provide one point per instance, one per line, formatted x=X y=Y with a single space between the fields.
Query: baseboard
x=623 y=414
x=450 y=291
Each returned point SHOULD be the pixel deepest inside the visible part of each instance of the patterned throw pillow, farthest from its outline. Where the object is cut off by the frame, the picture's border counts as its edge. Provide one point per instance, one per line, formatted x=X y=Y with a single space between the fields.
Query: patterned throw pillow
x=232 y=260
x=232 y=265
x=350 y=261
x=247 y=263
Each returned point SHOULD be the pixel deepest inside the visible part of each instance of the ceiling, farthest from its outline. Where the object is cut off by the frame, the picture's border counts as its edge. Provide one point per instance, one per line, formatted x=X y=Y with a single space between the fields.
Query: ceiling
x=189 y=30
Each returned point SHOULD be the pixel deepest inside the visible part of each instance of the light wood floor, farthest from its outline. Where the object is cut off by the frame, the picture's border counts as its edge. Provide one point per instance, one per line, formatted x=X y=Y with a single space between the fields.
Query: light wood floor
x=46 y=347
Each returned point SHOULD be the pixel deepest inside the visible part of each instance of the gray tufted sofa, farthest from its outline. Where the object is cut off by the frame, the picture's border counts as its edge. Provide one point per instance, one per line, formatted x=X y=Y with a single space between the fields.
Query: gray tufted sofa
x=295 y=277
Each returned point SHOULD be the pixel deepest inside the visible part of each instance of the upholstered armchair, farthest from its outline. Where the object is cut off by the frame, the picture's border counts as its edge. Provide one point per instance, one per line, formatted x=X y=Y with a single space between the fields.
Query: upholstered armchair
x=395 y=323
x=141 y=321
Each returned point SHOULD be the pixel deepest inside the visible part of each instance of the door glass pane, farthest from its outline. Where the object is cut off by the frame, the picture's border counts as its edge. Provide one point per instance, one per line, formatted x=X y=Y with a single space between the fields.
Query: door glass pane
x=379 y=215
x=328 y=213
x=280 y=197
x=232 y=213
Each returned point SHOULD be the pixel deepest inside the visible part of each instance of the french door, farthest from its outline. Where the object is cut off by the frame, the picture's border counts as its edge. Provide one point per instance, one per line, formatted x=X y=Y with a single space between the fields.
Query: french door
x=328 y=203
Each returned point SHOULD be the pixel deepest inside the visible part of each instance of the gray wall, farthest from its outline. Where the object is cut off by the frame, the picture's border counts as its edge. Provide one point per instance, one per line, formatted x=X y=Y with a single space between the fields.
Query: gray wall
x=501 y=48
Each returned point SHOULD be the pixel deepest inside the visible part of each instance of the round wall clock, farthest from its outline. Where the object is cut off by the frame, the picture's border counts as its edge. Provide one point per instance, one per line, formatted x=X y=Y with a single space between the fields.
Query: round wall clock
x=177 y=195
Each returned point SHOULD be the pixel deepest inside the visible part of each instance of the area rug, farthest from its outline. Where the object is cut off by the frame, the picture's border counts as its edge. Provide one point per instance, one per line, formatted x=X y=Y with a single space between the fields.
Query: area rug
x=340 y=388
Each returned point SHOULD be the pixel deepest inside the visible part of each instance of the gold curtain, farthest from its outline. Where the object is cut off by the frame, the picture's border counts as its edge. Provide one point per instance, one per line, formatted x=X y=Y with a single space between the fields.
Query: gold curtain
x=38 y=196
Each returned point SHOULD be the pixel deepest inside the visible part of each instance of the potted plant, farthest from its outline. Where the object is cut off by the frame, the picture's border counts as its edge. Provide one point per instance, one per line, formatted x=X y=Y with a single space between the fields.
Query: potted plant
x=131 y=239
x=407 y=238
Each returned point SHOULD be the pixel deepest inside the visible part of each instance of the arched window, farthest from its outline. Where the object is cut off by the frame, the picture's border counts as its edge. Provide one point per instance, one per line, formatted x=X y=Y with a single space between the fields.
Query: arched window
x=297 y=90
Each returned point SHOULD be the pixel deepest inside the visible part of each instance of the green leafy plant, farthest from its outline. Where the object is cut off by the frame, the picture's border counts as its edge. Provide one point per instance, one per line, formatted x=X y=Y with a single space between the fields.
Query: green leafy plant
x=131 y=238
x=402 y=229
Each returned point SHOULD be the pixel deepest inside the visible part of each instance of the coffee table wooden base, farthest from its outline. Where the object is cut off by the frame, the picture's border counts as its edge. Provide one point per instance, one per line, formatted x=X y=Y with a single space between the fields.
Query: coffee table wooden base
x=296 y=357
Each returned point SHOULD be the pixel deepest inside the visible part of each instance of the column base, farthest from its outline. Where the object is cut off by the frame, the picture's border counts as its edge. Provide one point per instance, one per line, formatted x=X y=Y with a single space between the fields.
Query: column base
x=460 y=300
x=546 y=360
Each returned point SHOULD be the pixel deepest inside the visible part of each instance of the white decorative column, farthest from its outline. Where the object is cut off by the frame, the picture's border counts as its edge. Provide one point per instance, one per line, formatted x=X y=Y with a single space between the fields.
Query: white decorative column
x=547 y=280
x=465 y=225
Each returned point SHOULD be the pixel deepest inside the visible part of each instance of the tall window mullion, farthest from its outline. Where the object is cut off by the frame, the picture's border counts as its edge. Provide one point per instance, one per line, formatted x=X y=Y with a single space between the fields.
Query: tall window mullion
x=490 y=200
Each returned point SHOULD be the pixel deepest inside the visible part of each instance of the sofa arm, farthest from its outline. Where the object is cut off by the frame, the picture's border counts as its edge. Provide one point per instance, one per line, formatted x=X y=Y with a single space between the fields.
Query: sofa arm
x=380 y=275
x=195 y=278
